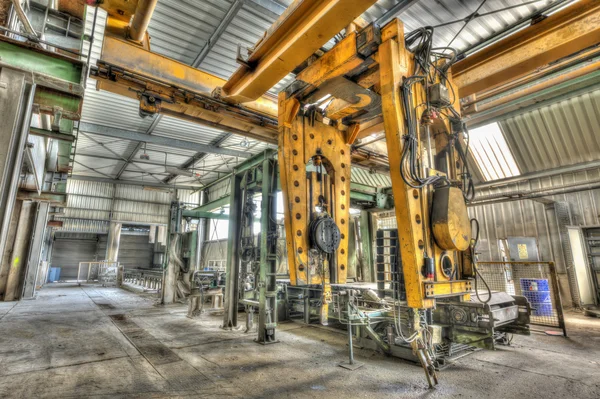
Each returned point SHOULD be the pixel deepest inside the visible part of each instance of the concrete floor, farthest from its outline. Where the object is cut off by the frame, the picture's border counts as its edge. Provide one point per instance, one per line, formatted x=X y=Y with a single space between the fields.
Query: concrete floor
x=105 y=342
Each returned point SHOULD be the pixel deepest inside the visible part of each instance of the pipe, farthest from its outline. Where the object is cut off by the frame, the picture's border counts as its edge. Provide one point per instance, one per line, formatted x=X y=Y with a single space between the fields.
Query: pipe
x=23 y=17
x=541 y=174
x=531 y=194
x=540 y=86
x=141 y=19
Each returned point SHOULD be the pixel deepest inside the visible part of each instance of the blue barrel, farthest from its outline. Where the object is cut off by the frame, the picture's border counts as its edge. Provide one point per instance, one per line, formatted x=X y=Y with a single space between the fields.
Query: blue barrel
x=537 y=292
x=54 y=274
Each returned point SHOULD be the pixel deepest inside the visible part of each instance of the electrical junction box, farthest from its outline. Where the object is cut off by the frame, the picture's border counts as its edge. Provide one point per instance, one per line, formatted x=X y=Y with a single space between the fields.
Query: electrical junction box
x=438 y=95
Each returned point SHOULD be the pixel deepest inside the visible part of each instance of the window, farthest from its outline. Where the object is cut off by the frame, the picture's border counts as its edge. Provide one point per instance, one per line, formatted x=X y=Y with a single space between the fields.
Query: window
x=218 y=229
x=491 y=152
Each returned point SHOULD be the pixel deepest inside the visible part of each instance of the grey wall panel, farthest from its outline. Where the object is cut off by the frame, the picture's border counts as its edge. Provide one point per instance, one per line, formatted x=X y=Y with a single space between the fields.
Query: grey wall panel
x=69 y=250
x=134 y=251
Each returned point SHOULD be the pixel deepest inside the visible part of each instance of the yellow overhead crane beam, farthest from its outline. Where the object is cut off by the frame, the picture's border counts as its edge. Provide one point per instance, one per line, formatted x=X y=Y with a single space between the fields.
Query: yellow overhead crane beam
x=567 y=32
x=173 y=88
x=299 y=32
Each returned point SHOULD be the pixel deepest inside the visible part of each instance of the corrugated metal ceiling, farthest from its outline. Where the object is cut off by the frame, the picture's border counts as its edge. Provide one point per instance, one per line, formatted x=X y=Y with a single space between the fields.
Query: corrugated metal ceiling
x=435 y=12
x=179 y=29
x=559 y=134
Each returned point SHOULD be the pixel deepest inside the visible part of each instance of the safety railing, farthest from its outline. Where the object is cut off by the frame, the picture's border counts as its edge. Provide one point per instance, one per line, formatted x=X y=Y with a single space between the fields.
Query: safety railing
x=536 y=281
x=149 y=280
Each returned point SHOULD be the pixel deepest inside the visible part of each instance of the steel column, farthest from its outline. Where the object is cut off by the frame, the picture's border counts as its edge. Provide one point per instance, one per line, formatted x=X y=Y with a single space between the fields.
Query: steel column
x=16 y=100
x=367 y=246
x=35 y=249
x=267 y=308
x=232 y=273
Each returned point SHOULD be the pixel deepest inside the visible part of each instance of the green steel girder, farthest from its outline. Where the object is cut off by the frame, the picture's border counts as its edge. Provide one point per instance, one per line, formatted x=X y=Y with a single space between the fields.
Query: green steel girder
x=59 y=79
x=197 y=214
x=354 y=195
x=52 y=135
x=47 y=99
x=64 y=69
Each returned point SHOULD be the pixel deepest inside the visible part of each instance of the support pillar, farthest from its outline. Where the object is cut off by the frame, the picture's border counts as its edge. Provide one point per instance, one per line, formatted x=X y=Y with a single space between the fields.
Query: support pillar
x=37 y=236
x=16 y=100
x=232 y=273
x=19 y=251
x=112 y=248
x=267 y=301
x=366 y=230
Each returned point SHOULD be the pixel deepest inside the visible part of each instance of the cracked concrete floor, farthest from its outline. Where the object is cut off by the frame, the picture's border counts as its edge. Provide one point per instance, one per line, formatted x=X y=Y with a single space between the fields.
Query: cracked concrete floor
x=105 y=342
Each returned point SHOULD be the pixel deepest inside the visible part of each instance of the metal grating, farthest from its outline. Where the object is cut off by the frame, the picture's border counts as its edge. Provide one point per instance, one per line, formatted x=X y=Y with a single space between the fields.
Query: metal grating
x=536 y=281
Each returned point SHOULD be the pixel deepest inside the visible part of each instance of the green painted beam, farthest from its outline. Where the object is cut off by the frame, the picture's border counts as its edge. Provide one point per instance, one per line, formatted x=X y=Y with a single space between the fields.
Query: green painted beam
x=23 y=56
x=196 y=214
x=51 y=135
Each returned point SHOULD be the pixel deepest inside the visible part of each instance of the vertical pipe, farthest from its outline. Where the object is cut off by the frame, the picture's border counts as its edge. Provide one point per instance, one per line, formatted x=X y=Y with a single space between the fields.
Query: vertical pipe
x=202 y=229
x=367 y=246
x=141 y=19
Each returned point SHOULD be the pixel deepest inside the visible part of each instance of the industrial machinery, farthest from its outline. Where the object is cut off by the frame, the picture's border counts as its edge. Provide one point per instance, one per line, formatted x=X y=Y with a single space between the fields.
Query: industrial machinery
x=378 y=74
x=375 y=79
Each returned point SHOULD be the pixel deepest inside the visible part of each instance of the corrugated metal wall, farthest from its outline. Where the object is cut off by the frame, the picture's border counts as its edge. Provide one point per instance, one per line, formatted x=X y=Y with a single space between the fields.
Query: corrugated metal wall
x=70 y=249
x=91 y=204
x=537 y=218
x=134 y=251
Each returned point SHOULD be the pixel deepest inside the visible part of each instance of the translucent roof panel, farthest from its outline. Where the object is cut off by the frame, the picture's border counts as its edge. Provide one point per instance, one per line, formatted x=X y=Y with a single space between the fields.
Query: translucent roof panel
x=491 y=152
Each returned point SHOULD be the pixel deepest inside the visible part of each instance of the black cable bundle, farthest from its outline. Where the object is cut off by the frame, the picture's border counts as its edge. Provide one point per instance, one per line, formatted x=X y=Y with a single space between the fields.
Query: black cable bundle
x=409 y=168
x=468 y=188
x=419 y=42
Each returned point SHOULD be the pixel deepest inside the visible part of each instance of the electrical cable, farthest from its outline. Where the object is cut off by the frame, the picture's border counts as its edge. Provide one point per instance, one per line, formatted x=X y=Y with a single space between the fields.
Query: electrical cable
x=474 y=242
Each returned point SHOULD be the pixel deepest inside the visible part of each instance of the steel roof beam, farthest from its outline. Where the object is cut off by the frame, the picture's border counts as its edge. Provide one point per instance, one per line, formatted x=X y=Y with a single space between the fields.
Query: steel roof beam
x=199 y=156
x=151 y=128
x=123 y=134
x=133 y=182
x=560 y=35
x=395 y=11
x=219 y=30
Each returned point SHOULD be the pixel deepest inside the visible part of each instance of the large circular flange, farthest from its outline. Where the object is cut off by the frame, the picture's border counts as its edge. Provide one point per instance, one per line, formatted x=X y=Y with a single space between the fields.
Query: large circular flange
x=325 y=234
x=446 y=265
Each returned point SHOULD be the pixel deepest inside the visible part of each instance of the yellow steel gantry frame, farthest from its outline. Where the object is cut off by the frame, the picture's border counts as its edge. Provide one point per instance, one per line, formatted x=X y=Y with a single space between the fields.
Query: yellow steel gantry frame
x=360 y=82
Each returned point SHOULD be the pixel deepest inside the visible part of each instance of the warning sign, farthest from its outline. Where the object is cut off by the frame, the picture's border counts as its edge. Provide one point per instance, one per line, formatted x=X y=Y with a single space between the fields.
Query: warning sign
x=523 y=251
